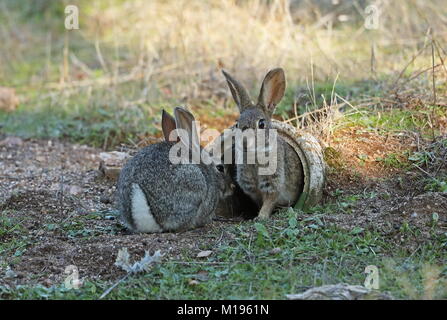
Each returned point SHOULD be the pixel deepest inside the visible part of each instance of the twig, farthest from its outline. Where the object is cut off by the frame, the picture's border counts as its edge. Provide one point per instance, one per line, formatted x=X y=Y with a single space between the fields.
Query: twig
x=296 y=113
x=421 y=72
x=407 y=65
x=308 y=113
x=105 y=293
x=433 y=73
x=199 y=262
x=440 y=56
x=427 y=173
x=99 y=55
x=226 y=219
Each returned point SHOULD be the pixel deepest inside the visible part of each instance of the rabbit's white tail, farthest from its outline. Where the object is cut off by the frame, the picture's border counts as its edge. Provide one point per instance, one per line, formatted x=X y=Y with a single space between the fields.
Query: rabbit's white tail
x=143 y=219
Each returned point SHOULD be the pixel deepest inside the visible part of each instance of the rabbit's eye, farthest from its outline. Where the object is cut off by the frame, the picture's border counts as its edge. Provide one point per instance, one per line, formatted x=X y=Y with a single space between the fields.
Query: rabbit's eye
x=261 y=124
x=220 y=168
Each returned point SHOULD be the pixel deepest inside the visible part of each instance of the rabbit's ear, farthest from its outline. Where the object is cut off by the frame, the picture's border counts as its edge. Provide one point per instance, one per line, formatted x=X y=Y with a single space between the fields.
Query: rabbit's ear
x=238 y=91
x=185 y=120
x=167 y=124
x=272 y=90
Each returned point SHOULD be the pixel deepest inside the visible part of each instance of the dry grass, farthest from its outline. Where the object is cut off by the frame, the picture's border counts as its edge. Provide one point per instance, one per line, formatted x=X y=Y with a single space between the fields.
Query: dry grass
x=139 y=56
x=192 y=37
x=180 y=45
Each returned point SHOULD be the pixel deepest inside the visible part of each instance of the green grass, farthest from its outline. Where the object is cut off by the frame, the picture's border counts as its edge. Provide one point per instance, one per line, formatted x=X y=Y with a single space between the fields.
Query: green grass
x=396 y=119
x=342 y=203
x=437 y=184
x=395 y=160
x=99 y=118
x=309 y=253
x=13 y=239
x=96 y=120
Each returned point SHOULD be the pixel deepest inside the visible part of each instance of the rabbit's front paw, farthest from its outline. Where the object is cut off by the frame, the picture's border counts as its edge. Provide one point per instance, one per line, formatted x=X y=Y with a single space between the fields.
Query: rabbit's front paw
x=262 y=216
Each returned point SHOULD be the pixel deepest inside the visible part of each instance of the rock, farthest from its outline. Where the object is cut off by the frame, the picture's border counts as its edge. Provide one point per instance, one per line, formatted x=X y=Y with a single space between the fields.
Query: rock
x=204 y=254
x=111 y=163
x=9 y=273
x=111 y=173
x=113 y=158
x=11 y=141
x=75 y=190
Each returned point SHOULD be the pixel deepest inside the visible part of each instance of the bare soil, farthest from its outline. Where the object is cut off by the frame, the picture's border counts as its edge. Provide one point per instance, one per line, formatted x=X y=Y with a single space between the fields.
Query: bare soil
x=64 y=210
x=391 y=196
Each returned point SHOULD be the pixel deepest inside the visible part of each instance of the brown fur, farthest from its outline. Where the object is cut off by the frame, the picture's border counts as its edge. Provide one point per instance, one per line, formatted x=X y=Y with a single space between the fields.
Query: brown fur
x=282 y=188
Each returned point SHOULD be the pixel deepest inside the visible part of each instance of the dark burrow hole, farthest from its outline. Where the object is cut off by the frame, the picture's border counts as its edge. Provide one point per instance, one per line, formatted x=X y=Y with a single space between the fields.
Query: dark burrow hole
x=240 y=205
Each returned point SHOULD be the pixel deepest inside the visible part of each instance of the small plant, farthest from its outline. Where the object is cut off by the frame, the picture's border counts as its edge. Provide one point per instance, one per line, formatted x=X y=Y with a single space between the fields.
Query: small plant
x=394 y=160
x=263 y=234
x=436 y=185
x=292 y=229
x=422 y=158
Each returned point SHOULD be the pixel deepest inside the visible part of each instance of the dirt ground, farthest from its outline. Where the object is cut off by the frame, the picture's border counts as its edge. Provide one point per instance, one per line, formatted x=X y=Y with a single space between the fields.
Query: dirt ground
x=390 y=195
x=51 y=189
x=63 y=208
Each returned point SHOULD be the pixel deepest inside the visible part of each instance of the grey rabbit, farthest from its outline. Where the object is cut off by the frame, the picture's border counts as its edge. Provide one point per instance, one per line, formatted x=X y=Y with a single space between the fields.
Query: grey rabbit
x=284 y=186
x=156 y=195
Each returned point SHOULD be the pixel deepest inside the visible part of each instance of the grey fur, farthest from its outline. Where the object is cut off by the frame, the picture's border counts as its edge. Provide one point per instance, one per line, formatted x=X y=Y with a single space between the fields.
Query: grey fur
x=283 y=188
x=180 y=196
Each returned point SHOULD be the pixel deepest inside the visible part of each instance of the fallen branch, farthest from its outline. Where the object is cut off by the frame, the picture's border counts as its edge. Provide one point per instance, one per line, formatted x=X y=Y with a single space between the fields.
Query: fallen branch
x=340 y=291
x=123 y=261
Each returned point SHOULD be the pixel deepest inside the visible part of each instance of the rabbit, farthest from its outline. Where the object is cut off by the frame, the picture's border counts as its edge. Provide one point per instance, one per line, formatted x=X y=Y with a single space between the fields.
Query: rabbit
x=156 y=195
x=283 y=187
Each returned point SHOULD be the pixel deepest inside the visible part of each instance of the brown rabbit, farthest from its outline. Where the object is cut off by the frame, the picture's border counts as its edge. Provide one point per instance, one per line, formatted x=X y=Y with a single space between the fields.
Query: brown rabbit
x=283 y=187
